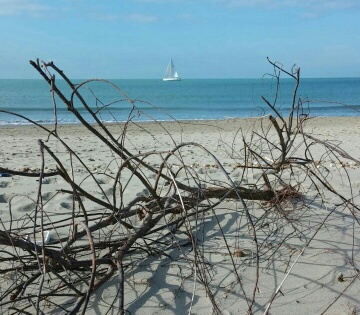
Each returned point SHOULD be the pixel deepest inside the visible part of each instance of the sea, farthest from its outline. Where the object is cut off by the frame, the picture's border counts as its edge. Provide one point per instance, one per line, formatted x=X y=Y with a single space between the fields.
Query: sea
x=23 y=102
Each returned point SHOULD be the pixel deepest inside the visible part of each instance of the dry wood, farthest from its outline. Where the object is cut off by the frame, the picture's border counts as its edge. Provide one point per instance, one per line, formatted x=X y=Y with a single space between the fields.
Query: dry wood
x=63 y=275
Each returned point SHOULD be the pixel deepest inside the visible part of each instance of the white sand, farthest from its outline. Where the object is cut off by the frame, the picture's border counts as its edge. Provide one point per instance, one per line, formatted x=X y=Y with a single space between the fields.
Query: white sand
x=159 y=285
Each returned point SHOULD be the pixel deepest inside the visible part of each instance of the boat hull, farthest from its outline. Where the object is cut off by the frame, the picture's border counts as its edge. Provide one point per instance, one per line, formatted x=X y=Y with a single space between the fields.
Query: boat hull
x=171 y=79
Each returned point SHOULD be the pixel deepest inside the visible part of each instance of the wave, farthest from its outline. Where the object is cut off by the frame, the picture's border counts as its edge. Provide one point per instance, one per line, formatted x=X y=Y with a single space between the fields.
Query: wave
x=172 y=108
x=189 y=100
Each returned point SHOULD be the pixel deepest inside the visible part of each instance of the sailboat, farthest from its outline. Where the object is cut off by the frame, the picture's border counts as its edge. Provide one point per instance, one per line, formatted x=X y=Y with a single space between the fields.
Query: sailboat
x=171 y=74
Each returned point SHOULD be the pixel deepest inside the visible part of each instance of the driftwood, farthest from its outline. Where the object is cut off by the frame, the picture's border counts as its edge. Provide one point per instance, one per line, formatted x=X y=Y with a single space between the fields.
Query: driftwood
x=62 y=275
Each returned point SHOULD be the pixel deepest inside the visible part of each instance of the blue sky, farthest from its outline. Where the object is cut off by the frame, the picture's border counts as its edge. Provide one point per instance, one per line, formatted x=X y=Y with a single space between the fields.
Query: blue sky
x=128 y=39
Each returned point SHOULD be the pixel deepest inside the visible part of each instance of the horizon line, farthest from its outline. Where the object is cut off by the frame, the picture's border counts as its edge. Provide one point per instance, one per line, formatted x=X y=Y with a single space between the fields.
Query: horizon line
x=186 y=79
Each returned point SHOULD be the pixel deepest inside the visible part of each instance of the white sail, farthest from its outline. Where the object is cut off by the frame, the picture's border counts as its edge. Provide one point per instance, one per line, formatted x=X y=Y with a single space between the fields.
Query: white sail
x=170 y=73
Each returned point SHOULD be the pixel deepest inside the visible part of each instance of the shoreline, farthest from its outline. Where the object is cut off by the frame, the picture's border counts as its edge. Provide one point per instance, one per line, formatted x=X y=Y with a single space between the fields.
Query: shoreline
x=185 y=121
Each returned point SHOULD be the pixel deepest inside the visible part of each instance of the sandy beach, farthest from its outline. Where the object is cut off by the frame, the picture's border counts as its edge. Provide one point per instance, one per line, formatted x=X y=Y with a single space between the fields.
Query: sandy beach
x=307 y=252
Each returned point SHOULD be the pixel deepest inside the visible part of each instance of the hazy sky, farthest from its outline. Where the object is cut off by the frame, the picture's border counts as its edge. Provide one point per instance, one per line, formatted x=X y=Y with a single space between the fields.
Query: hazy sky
x=206 y=38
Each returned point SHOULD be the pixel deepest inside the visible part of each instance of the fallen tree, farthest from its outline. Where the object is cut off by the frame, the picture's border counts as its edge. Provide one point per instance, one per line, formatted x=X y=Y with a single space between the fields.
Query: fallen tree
x=64 y=273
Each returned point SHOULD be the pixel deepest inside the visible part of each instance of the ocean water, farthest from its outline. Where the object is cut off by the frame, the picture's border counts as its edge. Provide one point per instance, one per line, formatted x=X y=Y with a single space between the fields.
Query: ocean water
x=144 y=100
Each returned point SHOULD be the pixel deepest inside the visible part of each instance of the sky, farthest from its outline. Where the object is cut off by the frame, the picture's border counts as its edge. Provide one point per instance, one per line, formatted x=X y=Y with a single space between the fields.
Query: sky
x=134 y=39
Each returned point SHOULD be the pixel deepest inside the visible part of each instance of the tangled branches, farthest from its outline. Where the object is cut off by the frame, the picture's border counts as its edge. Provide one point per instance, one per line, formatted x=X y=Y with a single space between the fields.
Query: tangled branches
x=162 y=211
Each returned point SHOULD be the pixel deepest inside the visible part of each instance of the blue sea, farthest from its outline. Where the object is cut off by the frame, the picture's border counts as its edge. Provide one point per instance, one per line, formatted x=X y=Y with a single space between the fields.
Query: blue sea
x=200 y=99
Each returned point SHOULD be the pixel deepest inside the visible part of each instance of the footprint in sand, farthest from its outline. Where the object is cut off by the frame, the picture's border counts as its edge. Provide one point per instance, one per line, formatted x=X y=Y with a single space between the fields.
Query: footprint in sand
x=50 y=180
x=4 y=184
x=4 y=198
x=66 y=205
x=109 y=191
x=47 y=196
x=27 y=207
x=18 y=202
x=103 y=179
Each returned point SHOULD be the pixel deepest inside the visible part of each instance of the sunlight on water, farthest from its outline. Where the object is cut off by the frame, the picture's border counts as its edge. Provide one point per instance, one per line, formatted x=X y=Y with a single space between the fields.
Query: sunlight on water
x=186 y=100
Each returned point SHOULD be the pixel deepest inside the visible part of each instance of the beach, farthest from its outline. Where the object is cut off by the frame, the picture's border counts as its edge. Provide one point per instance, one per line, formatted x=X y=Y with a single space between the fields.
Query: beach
x=307 y=253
